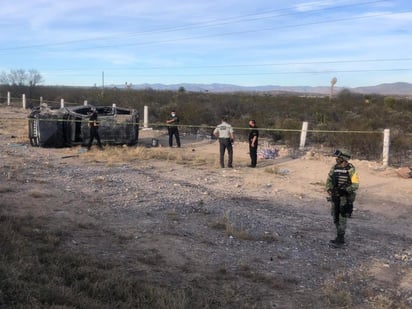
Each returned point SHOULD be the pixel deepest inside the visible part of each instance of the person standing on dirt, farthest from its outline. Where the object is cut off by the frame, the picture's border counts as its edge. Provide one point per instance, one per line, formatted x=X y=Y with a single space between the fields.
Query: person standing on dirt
x=173 y=130
x=253 y=142
x=224 y=132
x=341 y=184
x=93 y=125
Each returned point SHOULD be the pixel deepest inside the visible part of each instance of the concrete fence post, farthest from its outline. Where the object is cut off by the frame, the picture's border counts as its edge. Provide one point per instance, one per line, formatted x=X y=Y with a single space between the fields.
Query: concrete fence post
x=145 y=117
x=386 y=142
x=8 y=98
x=23 y=99
x=85 y=103
x=41 y=100
x=303 y=134
x=61 y=103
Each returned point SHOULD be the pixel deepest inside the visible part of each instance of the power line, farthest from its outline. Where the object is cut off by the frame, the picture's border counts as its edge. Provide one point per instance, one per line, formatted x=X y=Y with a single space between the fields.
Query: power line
x=263 y=73
x=250 y=17
x=149 y=43
x=239 y=65
x=246 y=31
x=203 y=25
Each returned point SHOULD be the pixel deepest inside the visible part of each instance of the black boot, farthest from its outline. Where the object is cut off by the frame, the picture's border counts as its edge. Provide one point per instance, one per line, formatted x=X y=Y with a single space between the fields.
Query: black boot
x=339 y=240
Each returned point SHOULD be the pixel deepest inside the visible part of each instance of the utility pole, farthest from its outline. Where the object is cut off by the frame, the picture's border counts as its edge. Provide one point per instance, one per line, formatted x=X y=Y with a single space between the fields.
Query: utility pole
x=332 y=84
x=102 y=83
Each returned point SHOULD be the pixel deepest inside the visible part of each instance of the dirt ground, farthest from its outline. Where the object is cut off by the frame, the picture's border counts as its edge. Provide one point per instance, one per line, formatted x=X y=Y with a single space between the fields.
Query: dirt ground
x=250 y=238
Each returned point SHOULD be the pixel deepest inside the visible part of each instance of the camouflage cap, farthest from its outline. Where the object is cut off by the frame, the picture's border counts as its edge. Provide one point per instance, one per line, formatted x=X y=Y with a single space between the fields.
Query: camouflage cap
x=342 y=153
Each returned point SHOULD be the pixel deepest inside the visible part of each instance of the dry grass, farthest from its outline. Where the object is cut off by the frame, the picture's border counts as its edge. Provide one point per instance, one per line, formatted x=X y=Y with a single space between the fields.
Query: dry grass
x=239 y=232
x=38 y=193
x=343 y=290
x=114 y=155
x=233 y=231
x=277 y=170
x=340 y=293
x=20 y=129
x=36 y=272
x=5 y=189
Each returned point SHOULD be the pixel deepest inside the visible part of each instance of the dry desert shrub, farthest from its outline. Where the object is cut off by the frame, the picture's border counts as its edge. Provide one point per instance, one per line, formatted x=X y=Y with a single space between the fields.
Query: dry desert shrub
x=38 y=193
x=113 y=155
x=338 y=298
x=37 y=272
x=5 y=189
x=238 y=231
x=272 y=169
x=16 y=129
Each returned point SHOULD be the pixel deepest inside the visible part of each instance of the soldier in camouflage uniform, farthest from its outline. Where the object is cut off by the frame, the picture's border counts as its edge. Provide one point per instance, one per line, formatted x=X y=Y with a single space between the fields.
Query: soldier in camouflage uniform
x=341 y=185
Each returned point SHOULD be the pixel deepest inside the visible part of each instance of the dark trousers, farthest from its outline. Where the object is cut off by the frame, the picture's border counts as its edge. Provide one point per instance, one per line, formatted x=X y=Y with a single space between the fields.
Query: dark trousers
x=224 y=144
x=94 y=133
x=253 y=155
x=174 y=131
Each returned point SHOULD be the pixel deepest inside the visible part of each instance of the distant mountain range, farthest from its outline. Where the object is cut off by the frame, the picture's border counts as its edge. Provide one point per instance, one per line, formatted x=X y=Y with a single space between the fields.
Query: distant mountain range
x=400 y=88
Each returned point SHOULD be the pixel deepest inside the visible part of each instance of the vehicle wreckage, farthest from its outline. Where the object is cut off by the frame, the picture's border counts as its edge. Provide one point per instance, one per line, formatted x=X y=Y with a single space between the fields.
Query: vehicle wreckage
x=67 y=126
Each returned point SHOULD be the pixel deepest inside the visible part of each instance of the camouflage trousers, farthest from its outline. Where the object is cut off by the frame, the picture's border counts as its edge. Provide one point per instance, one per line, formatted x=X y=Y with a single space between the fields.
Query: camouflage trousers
x=339 y=213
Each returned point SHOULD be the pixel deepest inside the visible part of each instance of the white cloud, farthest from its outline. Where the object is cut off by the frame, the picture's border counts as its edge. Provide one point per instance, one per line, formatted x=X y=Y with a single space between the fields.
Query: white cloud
x=313 y=5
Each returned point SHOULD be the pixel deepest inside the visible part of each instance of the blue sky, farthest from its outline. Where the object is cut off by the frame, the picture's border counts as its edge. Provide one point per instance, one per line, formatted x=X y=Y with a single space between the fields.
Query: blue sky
x=249 y=43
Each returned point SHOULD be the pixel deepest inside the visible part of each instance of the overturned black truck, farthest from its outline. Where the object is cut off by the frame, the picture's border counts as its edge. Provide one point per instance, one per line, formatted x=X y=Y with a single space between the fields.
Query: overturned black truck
x=67 y=126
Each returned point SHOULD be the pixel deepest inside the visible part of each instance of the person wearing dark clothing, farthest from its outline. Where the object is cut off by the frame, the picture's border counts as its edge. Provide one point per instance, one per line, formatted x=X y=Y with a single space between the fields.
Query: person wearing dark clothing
x=173 y=121
x=226 y=135
x=341 y=184
x=253 y=142
x=93 y=125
